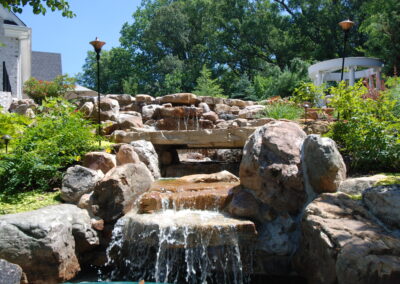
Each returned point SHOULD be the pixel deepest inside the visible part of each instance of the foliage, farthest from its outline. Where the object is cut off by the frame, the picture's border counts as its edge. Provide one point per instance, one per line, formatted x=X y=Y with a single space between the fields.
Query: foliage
x=308 y=92
x=27 y=201
x=207 y=86
x=56 y=140
x=370 y=133
x=382 y=28
x=12 y=124
x=394 y=93
x=282 y=110
x=39 y=89
x=244 y=89
x=391 y=178
x=39 y=6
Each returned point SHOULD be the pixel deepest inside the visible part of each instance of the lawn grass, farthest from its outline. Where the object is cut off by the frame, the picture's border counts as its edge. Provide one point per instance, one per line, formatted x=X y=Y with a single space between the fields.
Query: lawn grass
x=27 y=201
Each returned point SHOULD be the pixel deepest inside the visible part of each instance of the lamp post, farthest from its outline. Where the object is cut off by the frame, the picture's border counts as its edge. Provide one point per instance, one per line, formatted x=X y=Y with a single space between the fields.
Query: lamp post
x=97 y=45
x=6 y=139
x=346 y=27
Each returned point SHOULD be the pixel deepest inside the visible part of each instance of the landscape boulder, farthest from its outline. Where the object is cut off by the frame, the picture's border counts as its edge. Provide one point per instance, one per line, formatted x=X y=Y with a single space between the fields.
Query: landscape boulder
x=143 y=98
x=149 y=110
x=115 y=194
x=148 y=155
x=270 y=166
x=77 y=181
x=179 y=98
x=357 y=185
x=384 y=202
x=99 y=161
x=11 y=273
x=323 y=164
x=46 y=243
x=223 y=176
x=340 y=243
x=109 y=110
x=126 y=154
x=127 y=121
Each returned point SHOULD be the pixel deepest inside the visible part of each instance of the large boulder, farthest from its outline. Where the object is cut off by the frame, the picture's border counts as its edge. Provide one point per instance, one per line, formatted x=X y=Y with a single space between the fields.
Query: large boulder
x=109 y=110
x=323 y=164
x=384 y=202
x=180 y=98
x=47 y=242
x=99 y=161
x=123 y=99
x=11 y=273
x=77 y=181
x=341 y=244
x=143 y=98
x=115 y=194
x=148 y=111
x=270 y=166
x=357 y=185
x=126 y=154
x=127 y=121
x=148 y=155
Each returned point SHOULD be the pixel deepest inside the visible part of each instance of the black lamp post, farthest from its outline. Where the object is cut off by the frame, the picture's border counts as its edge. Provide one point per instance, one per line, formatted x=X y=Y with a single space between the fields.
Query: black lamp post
x=97 y=45
x=346 y=27
x=6 y=139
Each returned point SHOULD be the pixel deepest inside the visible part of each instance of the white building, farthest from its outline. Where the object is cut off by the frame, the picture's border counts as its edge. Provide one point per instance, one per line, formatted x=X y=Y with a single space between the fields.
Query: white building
x=17 y=60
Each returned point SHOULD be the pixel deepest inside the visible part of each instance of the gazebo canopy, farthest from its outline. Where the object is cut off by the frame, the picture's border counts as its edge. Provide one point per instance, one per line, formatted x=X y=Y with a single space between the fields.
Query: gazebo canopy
x=330 y=70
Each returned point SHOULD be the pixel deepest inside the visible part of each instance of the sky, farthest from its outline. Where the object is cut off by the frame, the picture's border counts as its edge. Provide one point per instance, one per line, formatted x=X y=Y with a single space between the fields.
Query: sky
x=71 y=37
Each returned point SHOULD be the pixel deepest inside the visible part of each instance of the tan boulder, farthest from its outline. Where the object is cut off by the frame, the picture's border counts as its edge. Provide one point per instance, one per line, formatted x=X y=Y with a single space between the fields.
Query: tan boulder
x=212 y=116
x=99 y=161
x=180 y=98
x=115 y=195
x=270 y=167
x=340 y=243
x=142 y=98
x=223 y=176
x=126 y=154
x=127 y=121
x=222 y=108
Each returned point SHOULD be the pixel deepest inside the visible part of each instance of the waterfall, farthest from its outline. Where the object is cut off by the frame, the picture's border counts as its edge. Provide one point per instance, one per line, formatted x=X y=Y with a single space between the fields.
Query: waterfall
x=190 y=246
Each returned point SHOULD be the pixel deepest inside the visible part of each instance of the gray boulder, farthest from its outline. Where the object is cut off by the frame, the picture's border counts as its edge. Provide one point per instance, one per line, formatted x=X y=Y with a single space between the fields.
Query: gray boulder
x=148 y=155
x=384 y=202
x=115 y=195
x=77 y=181
x=47 y=242
x=323 y=164
x=358 y=185
x=11 y=273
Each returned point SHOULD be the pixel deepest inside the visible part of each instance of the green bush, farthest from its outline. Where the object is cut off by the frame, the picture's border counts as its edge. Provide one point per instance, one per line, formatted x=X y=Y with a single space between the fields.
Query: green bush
x=370 y=133
x=39 y=89
x=207 y=86
x=308 y=92
x=282 y=110
x=56 y=140
x=12 y=124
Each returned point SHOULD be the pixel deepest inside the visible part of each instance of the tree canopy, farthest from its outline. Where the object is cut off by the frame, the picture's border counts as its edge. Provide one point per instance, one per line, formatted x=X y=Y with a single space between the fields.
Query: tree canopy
x=253 y=49
x=39 y=6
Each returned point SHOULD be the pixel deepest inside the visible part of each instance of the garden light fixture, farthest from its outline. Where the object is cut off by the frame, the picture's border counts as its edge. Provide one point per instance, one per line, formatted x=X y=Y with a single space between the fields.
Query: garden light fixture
x=306 y=106
x=6 y=139
x=97 y=45
x=346 y=27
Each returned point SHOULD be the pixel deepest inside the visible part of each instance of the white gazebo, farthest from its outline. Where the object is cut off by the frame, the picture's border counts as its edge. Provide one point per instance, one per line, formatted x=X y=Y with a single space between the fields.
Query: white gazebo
x=358 y=67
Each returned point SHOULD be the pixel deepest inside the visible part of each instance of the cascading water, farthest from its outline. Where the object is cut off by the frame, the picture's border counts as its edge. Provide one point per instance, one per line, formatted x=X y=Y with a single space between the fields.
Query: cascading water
x=190 y=246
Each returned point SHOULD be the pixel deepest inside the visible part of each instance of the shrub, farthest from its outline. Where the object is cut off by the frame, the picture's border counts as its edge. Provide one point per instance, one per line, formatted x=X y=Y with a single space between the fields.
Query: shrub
x=12 y=124
x=282 y=110
x=38 y=89
x=308 y=92
x=56 y=140
x=370 y=135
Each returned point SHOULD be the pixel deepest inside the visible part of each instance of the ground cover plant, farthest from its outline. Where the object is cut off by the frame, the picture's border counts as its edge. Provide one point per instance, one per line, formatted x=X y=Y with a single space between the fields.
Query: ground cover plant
x=282 y=110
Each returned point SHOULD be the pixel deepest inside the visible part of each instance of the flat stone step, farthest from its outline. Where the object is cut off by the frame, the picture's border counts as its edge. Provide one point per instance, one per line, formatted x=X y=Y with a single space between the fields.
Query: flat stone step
x=206 y=138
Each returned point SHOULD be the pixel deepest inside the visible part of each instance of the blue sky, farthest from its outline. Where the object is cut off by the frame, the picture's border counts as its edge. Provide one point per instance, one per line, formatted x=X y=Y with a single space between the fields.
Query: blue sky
x=70 y=37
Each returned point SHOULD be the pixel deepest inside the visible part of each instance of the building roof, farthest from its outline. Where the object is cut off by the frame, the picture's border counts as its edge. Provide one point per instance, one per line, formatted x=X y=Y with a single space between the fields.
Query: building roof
x=46 y=65
x=10 y=18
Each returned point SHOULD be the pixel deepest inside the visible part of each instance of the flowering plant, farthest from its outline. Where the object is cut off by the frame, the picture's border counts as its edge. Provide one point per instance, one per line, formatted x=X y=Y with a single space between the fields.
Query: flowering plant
x=39 y=89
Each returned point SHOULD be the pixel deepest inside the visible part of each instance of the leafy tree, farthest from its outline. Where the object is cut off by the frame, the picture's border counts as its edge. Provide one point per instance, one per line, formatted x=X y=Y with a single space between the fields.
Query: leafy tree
x=244 y=89
x=382 y=27
x=207 y=86
x=39 y=6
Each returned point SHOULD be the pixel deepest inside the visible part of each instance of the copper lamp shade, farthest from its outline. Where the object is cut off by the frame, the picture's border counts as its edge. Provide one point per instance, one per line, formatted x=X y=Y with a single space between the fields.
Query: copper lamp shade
x=346 y=25
x=97 y=44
